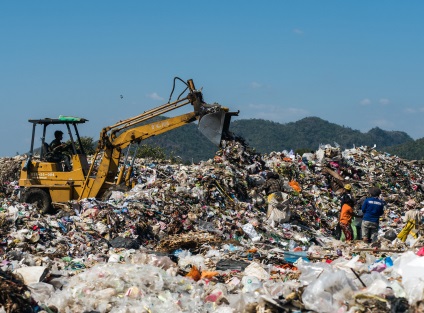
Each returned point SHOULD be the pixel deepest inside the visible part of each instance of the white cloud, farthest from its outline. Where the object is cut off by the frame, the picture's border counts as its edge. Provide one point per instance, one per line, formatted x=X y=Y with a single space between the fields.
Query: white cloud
x=257 y=106
x=296 y=111
x=298 y=31
x=274 y=112
x=365 y=101
x=255 y=85
x=384 y=101
x=413 y=110
x=155 y=96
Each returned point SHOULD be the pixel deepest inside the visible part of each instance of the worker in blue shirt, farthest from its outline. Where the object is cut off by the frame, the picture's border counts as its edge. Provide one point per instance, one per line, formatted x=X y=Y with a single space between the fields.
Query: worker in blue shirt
x=373 y=209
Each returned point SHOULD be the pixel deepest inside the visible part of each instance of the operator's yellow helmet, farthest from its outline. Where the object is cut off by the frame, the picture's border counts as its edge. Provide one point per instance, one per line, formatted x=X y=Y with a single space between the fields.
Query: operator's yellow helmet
x=348 y=187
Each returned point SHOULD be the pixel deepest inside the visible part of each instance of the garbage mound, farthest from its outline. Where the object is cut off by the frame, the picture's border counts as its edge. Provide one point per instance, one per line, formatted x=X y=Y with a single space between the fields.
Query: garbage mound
x=198 y=238
x=9 y=175
x=14 y=294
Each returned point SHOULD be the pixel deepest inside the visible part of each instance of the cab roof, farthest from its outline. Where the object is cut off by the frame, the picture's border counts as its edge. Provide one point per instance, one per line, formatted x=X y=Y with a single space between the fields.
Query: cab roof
x=61 y=120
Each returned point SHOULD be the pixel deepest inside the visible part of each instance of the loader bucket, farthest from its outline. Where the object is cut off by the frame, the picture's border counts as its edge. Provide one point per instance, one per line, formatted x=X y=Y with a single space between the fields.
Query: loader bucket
x=215 y=126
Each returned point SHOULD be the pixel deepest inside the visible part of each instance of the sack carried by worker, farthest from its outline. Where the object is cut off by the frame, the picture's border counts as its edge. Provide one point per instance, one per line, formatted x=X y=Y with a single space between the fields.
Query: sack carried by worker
x=337 y=231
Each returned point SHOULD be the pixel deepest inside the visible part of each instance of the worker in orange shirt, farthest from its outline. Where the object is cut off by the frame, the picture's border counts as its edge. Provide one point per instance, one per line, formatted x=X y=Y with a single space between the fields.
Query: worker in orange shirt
x=346 y=213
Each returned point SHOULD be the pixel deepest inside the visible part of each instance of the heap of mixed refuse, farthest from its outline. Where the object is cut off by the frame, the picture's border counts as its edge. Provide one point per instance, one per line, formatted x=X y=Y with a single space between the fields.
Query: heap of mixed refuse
x=196 y=238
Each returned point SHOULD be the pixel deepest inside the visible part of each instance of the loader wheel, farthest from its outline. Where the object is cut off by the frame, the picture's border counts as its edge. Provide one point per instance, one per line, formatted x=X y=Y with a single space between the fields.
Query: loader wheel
x=38 y=198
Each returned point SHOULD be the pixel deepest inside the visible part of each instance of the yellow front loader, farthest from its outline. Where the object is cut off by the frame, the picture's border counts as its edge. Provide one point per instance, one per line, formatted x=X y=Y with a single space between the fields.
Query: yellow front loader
x=43 y=180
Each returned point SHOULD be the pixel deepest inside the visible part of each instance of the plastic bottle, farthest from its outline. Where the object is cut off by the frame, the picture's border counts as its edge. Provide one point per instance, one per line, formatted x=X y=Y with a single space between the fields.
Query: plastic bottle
x=292 y=244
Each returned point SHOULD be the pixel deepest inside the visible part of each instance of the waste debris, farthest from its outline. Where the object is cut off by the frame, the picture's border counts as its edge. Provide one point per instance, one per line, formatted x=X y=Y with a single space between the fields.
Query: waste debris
x=197 y=238
x=14 y=294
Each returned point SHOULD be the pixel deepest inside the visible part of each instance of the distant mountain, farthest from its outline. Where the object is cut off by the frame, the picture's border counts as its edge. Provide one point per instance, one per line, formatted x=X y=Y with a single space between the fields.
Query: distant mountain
x=185 y=142
x=305 y=134
x=309 y=133
x=410 y=150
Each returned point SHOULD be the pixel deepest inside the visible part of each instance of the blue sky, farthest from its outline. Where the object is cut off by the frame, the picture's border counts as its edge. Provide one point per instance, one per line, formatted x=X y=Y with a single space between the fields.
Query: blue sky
x=354 y=63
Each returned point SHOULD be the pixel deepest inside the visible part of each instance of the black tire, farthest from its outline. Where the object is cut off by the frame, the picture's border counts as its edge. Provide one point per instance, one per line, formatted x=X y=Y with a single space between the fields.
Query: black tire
x=38 y=198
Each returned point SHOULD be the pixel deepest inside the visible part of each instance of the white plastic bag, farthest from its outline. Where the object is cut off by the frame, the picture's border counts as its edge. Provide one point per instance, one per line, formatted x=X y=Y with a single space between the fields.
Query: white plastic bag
x=328 y=292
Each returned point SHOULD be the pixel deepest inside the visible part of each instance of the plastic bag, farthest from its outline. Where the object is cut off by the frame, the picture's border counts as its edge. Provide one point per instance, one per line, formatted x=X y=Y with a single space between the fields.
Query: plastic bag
x=256 y=270
x=251 y=283
x=40 y=292
x=329 y=292
x=249 y=229
x=124 y=242
x=311 y=271
x=411 y=268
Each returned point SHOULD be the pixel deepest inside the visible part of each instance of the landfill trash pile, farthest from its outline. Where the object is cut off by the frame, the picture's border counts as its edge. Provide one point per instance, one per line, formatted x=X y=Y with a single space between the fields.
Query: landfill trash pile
x=196 y=238
x=9 y=175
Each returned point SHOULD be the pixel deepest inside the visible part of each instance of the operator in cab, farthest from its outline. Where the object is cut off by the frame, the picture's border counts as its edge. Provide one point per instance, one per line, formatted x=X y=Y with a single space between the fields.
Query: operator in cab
x=57 y=147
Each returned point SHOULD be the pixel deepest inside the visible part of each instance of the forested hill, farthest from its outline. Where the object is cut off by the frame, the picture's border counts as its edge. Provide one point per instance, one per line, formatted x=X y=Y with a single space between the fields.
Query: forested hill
x=306 y=134
x=309 y=133
x=411 y=150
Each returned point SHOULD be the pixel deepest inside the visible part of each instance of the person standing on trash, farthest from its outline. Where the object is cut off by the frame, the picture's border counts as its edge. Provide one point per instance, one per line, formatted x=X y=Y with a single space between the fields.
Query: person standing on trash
x=412 y=218
x=346 y=195
x=358 y=214
x=273 y=188
x=346 y=213
x=57 y=147
x=373 y=208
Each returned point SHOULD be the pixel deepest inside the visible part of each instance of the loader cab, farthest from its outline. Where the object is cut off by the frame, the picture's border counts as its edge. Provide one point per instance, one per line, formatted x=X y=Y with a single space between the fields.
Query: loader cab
x=43 y=177
x=65 y=124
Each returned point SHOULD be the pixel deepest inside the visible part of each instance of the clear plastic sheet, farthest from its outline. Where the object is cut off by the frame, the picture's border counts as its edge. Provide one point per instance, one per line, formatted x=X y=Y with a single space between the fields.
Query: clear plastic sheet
x=127 y=288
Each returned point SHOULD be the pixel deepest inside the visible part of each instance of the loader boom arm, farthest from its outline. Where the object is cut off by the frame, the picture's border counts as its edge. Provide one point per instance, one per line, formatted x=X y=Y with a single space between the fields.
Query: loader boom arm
x=115 y=138
x=143 y=132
